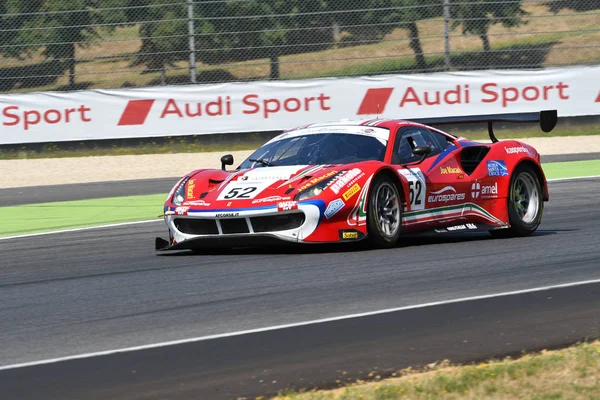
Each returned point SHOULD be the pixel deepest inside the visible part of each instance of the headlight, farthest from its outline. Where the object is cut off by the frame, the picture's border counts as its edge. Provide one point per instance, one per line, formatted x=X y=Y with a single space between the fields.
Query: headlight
x=308 y=193
x=316 y=189
x=179 y=195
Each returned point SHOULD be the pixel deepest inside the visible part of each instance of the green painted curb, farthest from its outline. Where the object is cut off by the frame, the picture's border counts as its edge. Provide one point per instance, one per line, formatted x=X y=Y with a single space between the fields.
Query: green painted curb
x=35 y=218
x=571 y=169
x=47 y=217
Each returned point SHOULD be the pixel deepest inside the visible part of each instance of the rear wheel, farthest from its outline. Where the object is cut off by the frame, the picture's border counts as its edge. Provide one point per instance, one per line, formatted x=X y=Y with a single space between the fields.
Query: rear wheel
x=384 y=213
x=525 y=204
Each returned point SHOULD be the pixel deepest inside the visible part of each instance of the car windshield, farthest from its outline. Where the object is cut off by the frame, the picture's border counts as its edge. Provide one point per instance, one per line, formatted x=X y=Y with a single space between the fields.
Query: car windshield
x=312 y=149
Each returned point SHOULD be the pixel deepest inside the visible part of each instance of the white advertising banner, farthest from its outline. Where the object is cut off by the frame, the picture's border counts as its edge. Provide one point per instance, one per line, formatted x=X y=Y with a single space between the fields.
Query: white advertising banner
x=263 y=106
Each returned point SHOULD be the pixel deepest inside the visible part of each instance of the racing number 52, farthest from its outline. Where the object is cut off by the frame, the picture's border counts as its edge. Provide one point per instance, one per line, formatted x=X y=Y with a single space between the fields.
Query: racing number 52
x=415 y=188
x=240 y=193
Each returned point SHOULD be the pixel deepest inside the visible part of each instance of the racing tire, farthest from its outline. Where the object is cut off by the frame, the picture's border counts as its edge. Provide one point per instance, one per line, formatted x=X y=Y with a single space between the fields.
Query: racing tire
x=384 y=213
x=525 y=204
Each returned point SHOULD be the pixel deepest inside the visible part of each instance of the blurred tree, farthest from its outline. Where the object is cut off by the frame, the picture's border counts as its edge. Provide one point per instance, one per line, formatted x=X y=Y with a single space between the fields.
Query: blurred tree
x=254 y=29
x=417 y=10
x=14 y=16
x=56 y=27
x=476 y=17
x=163 y=31
x=383 y=16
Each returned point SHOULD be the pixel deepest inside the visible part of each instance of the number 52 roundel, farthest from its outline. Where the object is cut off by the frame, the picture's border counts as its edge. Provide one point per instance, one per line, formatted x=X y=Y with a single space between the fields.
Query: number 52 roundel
x=416 y=187
x=242 y=190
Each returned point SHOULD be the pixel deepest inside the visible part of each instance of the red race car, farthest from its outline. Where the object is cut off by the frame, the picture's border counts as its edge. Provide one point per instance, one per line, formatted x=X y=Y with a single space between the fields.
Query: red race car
x=352 y=180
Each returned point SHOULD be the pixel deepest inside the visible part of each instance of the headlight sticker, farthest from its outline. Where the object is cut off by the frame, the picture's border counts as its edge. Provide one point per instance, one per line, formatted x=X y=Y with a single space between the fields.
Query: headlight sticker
x=178 y=196
x=175 y=187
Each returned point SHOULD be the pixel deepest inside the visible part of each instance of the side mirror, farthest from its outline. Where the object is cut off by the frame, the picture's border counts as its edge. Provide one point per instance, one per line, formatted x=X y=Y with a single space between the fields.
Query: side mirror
x=227 y=159
x=421 y=151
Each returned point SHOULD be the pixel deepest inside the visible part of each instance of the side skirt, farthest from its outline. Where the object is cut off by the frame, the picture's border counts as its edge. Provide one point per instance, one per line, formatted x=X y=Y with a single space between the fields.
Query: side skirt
x=468 y=227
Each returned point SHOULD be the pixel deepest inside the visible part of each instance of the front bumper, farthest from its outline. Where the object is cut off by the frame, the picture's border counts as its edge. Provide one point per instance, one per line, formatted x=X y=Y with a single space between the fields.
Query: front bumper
x=225 y=241
x=239 y=228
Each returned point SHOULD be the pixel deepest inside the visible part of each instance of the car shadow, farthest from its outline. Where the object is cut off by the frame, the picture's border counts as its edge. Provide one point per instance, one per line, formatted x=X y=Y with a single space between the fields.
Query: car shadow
x=445 y=238
x=271 y=250
x=351 y=247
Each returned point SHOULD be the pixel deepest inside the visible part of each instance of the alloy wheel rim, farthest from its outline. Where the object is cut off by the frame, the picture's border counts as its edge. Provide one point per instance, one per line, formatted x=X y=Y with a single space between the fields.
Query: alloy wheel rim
x=525 y=197
x=387 y=208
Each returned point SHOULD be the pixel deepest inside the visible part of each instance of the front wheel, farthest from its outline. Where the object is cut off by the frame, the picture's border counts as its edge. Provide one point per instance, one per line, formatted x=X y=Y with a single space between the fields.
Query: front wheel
x=525 y=204
x=384 y=213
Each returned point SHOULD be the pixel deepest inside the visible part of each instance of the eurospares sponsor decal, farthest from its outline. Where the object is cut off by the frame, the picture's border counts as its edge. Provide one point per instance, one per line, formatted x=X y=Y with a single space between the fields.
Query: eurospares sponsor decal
x=196 y=203
x=280 y=105
x=445 y=195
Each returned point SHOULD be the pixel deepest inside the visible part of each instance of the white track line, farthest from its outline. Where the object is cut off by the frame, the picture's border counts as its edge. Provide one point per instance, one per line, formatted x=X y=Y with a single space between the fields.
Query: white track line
x=153 y=220
x=294 y=325
x=574 y=179
x=80 y=229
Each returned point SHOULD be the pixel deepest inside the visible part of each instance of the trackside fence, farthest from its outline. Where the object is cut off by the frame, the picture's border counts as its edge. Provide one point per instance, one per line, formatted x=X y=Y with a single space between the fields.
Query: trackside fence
x=99 y=44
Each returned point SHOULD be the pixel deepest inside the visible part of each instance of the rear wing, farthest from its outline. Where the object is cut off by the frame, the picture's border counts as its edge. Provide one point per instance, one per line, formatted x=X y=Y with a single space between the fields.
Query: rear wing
x=546 y=118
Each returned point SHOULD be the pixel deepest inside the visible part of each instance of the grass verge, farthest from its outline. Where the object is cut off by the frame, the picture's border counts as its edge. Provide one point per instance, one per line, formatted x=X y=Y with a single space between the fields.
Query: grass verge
x=571 y=373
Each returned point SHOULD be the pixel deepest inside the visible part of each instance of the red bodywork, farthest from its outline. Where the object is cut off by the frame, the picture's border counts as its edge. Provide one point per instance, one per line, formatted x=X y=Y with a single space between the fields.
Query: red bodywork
x=452 y=190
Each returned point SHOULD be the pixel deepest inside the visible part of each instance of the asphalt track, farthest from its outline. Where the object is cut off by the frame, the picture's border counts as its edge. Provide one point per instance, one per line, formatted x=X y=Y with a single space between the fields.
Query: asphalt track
x=85 y=191
x=97 y=190
x=103 y=289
